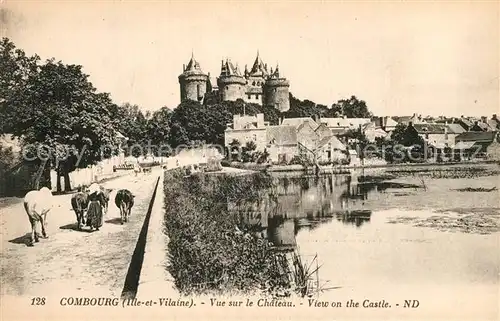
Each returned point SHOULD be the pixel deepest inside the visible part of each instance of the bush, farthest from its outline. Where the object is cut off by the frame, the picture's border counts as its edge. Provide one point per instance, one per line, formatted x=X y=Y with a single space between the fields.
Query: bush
x=301 y=160
x=209 y=252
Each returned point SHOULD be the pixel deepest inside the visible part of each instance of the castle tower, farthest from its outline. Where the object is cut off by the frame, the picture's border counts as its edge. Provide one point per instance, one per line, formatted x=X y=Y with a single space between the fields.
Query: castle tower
x=193 y=82
x=255 y=79
x=276 y=93
x=230 y=82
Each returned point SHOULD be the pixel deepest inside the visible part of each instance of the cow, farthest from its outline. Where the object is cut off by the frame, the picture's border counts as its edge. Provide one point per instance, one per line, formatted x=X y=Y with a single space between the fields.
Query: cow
x=79 y=203
x=124 y=200
x=37 y=204
x=104 y=198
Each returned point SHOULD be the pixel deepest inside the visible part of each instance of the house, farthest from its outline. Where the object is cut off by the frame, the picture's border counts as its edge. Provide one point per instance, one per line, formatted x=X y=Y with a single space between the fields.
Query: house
x=371 y=132
x=494 y=122
x=479 y=144
x=292 y=137
x=465 y=123
x=385 y=123
x=247 y=128
x=307 y=135
x=406 y=120
x=482 y=125
x=282 y=143
x=331 y=150
x=340 y=126
x=318 y=141
x=297 y=121
x=436 y=135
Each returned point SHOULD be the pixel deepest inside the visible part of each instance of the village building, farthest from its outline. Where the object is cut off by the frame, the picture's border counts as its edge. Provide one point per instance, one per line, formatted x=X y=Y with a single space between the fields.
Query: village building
x=494 y=122
x=479 y=144
x=372 y=132
x=465 y=122
x=293 y=137
x=342 y=125
x=406 y=120
x=440 y=136
x=385 y=123
x=316 y=141
x=482 y=125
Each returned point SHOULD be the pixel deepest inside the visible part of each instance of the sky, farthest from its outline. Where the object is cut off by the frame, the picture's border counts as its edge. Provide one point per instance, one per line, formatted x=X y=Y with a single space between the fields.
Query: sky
x=431 y=58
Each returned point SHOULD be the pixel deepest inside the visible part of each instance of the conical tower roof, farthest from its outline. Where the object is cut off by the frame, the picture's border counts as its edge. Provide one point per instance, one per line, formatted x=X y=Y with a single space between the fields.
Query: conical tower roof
x=193 y=67
x=258 y=68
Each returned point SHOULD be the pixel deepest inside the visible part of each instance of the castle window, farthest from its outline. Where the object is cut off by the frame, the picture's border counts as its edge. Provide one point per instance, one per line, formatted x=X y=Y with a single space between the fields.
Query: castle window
x=254 y=138
x=253 y=83
x=227 y=87
x=275 y=89
x=257 y=96
x=249 y=96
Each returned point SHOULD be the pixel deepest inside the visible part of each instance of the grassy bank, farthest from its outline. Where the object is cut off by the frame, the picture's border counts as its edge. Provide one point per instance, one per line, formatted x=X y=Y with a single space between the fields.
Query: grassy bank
x=210 y=251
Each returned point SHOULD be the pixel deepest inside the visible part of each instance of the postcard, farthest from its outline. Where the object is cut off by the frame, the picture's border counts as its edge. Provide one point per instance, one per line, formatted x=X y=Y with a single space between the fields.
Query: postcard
x=249 y=160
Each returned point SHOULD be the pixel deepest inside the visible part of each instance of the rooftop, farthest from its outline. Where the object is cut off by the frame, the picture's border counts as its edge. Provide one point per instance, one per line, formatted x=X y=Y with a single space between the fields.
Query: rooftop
x=281 y=135
x=476 y=136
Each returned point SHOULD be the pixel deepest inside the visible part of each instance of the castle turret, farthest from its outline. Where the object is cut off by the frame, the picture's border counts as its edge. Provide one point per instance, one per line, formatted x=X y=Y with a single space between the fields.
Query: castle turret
x=256 y=78
x=193 y=82
x=231 y=83
x=276 y=91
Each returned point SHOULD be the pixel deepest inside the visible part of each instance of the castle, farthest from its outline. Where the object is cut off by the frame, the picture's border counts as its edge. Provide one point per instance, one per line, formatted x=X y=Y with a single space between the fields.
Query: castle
x=258 y=85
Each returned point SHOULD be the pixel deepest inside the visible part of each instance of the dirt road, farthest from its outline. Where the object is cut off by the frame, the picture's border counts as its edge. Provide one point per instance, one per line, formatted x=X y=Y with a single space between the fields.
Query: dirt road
x=71 y=261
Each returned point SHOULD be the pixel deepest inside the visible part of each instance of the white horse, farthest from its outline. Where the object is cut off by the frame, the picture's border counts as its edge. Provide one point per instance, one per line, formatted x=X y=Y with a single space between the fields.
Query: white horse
x=37 y=204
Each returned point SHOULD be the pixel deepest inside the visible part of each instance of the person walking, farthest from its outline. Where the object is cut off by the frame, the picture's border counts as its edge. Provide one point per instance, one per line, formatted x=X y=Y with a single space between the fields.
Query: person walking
x=94 y=211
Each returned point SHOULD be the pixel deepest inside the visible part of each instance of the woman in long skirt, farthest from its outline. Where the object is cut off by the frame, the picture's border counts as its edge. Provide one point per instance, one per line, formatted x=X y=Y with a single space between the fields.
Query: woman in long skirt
x=94 y=212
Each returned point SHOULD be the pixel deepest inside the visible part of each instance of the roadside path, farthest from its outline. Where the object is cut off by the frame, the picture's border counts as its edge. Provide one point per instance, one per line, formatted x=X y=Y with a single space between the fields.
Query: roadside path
x=70 y=261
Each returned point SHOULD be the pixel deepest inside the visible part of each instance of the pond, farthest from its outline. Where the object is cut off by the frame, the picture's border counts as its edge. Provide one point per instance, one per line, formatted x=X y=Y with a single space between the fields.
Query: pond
x=373 y=234
x=386 y=232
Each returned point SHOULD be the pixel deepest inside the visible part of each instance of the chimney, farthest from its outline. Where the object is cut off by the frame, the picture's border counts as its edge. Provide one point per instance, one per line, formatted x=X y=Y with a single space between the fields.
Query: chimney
x=183 y=67
x=484 y=119
x=494 y=117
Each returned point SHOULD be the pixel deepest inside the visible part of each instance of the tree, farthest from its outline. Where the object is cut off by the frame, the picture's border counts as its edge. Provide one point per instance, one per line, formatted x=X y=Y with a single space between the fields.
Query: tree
x=351 y=108
x=158 y=131
x=249 y=151
x=406 y=136
x=58 y=110
x=360 y=141
x=129 y=120
x=15 y=71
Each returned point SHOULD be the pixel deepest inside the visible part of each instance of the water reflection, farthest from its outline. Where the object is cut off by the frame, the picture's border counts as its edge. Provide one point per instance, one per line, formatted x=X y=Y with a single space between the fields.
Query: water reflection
x=305 y=202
